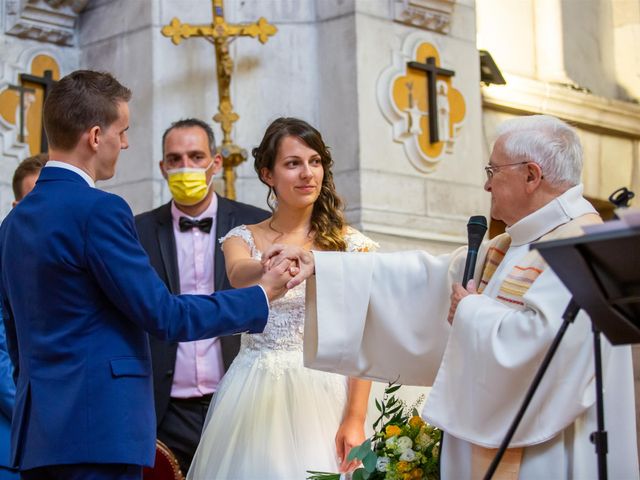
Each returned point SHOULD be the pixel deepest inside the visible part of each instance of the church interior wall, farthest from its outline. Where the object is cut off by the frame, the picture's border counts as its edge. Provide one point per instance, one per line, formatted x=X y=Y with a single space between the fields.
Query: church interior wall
x=626 y=28
x=338 y=109
x=277 y=79
x=125 y=45
x=399 y=202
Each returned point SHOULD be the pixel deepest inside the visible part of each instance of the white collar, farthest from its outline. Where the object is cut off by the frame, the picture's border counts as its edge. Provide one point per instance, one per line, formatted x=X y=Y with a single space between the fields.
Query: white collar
x=73 y=168
x=571 y=204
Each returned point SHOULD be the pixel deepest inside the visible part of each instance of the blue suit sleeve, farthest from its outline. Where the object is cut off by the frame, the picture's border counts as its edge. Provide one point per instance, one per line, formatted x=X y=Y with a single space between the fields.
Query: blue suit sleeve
x=122 y=269
x=7 y=385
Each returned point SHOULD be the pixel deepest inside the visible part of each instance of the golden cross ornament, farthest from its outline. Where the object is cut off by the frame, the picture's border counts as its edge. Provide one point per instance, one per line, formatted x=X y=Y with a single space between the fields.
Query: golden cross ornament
x=219 y=32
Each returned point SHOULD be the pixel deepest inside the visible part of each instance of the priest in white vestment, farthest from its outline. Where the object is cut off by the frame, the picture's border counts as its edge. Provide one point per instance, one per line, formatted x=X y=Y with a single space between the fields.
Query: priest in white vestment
x=402 y=316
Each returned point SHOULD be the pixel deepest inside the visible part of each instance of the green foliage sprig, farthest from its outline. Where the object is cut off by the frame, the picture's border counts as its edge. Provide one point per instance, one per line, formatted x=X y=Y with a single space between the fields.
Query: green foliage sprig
x=403 y=446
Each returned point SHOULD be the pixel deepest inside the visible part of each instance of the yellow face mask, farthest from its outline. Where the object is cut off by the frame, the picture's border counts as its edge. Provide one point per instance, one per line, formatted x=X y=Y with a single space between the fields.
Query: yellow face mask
x=189 y=186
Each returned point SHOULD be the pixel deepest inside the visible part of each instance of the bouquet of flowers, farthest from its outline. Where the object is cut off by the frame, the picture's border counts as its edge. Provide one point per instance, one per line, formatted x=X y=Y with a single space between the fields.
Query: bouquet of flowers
x=403 y=446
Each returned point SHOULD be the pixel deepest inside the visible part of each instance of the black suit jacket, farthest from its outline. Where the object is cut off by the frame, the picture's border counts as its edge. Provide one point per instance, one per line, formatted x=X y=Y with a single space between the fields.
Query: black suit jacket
x=155 y=230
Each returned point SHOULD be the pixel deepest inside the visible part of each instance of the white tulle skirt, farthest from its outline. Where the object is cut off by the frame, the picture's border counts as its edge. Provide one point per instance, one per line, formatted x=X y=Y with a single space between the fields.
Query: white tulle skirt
x=271 y=419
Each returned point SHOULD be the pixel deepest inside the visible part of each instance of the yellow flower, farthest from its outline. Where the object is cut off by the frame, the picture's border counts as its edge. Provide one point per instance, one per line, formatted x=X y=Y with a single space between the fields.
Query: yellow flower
x=416 y=474
x=404 y=467
x=392 y=430
x=416 y=421
x=407 y=476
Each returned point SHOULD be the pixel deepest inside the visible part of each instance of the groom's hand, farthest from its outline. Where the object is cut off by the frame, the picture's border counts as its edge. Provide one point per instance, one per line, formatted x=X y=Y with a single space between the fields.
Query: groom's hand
x=302 y=264
x=274 y=281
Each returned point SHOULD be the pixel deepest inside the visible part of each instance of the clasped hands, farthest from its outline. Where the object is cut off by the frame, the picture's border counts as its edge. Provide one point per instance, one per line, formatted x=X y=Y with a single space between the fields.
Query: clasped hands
x=284 y=267
x=292 y=265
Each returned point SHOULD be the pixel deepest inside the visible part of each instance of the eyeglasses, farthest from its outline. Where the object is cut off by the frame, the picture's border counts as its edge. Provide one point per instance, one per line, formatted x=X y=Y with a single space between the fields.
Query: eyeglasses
x=490 y=170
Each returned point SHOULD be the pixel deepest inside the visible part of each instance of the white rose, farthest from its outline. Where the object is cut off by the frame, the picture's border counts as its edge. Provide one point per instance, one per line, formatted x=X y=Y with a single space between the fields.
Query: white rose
x=404 y=443
x=391 y=442
x=423 y=440
x=408 y=455
x=381 y=464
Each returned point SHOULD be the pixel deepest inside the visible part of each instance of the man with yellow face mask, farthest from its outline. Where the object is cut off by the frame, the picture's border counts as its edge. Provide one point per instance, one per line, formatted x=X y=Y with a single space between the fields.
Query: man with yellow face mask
x=180 y=238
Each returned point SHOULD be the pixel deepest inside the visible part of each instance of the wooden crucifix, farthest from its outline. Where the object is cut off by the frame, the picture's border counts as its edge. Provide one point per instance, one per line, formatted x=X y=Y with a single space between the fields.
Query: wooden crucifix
x=46 y=82
x=432 y=71
x=219 y=33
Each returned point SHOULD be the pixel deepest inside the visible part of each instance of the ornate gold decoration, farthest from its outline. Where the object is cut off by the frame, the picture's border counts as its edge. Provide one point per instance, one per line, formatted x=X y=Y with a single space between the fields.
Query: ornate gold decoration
x=219 y=33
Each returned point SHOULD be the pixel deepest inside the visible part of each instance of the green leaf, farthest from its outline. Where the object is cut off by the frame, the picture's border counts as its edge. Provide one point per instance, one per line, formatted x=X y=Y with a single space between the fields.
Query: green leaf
x=391 y=389
x=360 y=452
x=415 y=412
x=358 y=474
x=322 y=475
x=369 y=461
x=395 y=410
x=378 y=405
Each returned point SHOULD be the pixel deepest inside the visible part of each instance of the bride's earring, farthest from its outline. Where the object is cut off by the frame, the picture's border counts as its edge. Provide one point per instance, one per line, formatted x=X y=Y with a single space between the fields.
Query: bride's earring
x=273 y=200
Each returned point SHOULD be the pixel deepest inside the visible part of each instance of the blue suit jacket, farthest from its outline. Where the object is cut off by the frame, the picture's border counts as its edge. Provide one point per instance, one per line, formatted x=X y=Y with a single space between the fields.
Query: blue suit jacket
x=7 y=396
x=78 y=294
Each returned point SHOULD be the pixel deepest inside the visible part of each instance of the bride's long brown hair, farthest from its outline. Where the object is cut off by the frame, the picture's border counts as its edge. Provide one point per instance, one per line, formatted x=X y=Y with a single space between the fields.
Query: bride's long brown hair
x=327 y=218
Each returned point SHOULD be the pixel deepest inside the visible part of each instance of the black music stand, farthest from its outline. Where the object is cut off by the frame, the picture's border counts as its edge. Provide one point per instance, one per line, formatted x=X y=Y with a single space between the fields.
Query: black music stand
x=602 y=272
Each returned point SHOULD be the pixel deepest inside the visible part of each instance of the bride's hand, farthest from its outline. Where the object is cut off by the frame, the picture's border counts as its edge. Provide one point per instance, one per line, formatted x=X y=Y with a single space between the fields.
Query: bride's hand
x=293 y=269
x=305 y=265
x=349 y=435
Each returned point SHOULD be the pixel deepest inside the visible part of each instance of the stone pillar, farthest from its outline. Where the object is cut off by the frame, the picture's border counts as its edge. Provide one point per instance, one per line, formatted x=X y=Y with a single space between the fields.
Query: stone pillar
x=120 y=37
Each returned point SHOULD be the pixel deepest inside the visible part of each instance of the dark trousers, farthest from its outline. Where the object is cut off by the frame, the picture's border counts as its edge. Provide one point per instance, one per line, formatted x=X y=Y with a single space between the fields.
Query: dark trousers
x=181 y=427
x=84 y=471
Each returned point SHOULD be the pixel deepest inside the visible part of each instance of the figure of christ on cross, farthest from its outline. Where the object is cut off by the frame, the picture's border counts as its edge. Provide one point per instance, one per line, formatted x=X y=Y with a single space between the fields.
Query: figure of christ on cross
x=432 y=71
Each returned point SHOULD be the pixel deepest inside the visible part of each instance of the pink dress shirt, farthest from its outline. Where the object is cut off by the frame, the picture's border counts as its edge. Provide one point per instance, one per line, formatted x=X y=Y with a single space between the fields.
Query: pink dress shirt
x=199 y=366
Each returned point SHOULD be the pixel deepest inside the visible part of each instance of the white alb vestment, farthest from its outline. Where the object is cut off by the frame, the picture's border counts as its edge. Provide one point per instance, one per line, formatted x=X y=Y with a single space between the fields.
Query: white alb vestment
x=384 y=317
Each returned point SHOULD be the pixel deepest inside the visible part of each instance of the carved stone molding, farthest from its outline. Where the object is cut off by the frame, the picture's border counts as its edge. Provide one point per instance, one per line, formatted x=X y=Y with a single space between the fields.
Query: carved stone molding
x=50 y=21
x=529 y=96
x=434 y=15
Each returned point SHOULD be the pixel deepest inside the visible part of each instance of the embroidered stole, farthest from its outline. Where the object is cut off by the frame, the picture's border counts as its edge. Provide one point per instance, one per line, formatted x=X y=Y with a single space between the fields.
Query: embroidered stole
x=511 y=293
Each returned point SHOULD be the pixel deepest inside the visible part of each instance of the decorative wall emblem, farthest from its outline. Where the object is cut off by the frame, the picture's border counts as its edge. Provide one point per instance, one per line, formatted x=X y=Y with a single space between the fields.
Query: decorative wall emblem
x=21 y=103
x=417 y=96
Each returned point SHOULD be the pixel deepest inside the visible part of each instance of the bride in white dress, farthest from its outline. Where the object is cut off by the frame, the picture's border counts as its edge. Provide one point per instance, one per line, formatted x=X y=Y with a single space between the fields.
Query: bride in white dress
x=272 y=418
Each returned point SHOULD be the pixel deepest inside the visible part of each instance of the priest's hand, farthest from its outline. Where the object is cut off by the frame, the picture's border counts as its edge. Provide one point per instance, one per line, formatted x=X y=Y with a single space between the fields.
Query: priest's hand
x=458 y=292
x=301 y=260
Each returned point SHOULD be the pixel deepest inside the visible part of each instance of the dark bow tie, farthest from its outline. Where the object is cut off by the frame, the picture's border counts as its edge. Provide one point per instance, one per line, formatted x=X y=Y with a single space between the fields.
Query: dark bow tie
x=203 y=225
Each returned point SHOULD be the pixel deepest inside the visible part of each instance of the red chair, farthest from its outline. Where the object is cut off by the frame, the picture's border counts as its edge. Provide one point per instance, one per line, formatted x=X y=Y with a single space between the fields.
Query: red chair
x=166 y=466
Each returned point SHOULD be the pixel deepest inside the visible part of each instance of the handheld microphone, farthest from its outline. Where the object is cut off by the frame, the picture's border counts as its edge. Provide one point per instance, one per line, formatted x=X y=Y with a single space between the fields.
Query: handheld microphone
x=476 y=228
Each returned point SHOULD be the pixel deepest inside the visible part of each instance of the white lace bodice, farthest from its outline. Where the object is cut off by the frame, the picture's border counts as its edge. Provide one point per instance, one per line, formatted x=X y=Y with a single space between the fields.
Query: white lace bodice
x=285 y=326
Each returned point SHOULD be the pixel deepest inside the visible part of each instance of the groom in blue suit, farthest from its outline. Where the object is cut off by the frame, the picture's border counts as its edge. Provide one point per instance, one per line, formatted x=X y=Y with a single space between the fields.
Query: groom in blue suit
x=78 y=296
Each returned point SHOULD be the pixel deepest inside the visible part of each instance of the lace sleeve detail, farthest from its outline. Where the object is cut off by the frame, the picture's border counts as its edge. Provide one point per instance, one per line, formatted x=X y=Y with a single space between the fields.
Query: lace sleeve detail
x=357 y=242
x=241 y=231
